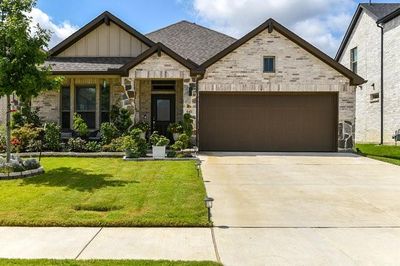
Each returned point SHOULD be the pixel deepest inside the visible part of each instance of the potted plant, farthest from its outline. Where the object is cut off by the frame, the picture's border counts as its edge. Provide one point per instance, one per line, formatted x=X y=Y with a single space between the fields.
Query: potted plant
x=159 y=144
x=175 y=129
x=144 y=127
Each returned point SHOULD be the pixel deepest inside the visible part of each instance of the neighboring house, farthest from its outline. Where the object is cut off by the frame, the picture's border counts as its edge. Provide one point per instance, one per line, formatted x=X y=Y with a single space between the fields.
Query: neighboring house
x=361 y=52
x=268 y=91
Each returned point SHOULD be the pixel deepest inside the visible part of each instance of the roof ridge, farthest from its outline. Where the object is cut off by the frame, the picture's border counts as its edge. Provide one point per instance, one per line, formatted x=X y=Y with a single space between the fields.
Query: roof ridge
x=192 y=23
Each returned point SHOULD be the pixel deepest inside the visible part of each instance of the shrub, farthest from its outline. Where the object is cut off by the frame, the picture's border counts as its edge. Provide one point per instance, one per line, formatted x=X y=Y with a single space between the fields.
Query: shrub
x=31 y=164
x=26 y=117
x=116 y=145
x=21 y=137
x=175 y=128
x=171 y=154
x=134 y=147
x=177 y=146
x=34 y=145
x=108 y=132
x=187 y=124
x=185 y=140
x=135 y=133
x=52 y=137
x=92 y=146
x=121 y=118
x=143 y=126
x=80 y=126
x=76 y=145
x=162 y=141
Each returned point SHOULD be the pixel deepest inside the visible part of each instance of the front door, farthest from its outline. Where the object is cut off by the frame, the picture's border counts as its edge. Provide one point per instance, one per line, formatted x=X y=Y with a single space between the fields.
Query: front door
x=162 y=112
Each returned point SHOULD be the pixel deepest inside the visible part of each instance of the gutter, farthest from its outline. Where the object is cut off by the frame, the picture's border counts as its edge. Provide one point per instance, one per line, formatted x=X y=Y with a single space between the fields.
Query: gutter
x=380 y=25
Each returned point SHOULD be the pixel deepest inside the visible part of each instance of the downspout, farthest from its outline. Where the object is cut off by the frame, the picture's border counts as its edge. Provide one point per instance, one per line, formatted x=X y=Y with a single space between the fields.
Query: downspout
x=198 y=78
x=381 y=27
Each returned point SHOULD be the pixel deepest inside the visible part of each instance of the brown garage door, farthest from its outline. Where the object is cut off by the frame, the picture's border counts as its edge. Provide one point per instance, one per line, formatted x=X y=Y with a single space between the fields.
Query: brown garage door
x=268 y=122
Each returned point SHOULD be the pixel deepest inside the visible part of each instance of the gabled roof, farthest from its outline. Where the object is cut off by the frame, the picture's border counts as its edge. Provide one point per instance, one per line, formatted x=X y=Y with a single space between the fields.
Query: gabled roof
x=380 y=12
x=158 y=48
x=86 y=65
x=192 y=41
x=272 y=25
x=105 y=17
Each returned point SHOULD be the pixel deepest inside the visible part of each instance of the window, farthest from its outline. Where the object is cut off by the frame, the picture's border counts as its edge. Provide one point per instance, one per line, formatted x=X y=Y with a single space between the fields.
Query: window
x=65 y=108
x=86 y=104
x=163 y=85
x=105 y=103
x=353 y=59
x=374 y=97
x=269 y=64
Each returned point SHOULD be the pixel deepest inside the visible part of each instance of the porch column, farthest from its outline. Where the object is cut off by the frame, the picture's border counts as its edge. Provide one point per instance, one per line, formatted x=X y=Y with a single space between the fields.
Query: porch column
x=128 y=98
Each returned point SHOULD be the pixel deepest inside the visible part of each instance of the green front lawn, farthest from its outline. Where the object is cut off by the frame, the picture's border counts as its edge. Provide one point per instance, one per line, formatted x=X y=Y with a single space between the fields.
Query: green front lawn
x=389 y=154
x=6 y=262
x=106 y=192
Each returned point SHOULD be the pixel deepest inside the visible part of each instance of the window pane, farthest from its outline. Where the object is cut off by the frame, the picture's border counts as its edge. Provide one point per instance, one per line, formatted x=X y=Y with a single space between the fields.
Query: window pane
x=163 y=110
x=86 y=99
x=90 y=118
x=105 y=117
x=65 y=120
x=105 y=98
x=65 y=98
x=269 y=64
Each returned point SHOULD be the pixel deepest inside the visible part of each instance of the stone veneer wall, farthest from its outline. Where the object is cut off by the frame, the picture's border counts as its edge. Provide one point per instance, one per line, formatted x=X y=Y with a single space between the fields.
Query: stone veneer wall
x=366 y=37
x=2 y=111
x=296 y=71
x=162 y=67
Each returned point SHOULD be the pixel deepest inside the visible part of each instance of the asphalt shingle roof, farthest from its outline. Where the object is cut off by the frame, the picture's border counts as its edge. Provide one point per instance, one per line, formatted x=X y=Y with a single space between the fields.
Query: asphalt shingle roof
x=89 y=64
x=192 y=41
x=380 y=10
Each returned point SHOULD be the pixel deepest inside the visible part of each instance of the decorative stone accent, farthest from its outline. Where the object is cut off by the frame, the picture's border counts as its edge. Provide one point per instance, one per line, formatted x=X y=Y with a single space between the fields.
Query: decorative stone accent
x=346 y=135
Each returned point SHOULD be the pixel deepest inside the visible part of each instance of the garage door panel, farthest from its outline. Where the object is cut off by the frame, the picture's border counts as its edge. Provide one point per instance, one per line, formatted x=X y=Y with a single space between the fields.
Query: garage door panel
x=268 y=121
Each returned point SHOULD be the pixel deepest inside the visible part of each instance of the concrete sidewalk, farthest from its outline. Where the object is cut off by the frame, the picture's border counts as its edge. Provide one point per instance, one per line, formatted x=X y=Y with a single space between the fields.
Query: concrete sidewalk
x=107 y=243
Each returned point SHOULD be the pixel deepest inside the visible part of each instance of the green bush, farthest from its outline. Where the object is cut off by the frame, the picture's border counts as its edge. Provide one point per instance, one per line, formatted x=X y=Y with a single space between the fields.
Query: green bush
x=116 y=145
x=80 y=126
x=177 y=146
x=26 y=116
x=143 y=126
x=158 y=140
x=134 y=147
x=92 y=146
x=108 y=132
x=175 y=128
x=135 y=133
x=185 y=140
x=187 y=124
x=22 y=136
x=121 y=118
x=76 y=145
x=52 y=137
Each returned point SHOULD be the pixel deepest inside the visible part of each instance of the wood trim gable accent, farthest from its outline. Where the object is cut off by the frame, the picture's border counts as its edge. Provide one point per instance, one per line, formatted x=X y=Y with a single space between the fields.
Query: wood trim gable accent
x=271 y=24
x=106 y=17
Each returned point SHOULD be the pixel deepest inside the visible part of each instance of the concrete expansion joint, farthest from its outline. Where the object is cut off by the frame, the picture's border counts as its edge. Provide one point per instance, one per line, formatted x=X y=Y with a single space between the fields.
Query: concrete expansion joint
x=88 y=243
x=215 y=245
x=309 y=227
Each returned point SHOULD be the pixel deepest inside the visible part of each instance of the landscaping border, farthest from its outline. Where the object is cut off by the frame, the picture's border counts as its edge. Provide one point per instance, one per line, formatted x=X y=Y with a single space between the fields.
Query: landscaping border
x=23 y=174
x=164 y=159
x=72 y=154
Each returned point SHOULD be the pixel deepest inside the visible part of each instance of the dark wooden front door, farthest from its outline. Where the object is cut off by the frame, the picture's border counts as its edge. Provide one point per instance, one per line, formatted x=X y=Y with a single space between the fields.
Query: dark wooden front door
x=162 y=112
x=268 y=121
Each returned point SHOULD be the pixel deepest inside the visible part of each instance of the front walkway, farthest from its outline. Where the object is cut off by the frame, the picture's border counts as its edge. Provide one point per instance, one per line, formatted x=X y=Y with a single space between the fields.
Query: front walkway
x=304 y=209
x=107 y=243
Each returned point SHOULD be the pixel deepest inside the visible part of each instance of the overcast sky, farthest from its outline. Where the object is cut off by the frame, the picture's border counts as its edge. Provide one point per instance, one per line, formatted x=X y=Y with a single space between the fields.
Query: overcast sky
x=321 y=22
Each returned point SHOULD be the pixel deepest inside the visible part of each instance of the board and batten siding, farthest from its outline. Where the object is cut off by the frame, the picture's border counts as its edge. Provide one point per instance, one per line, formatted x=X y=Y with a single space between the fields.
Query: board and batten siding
x=106 y=41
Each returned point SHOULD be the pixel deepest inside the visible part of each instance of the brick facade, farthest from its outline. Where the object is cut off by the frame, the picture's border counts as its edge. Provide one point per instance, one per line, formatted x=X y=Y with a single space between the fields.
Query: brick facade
x=296 y=71
x=366 y=36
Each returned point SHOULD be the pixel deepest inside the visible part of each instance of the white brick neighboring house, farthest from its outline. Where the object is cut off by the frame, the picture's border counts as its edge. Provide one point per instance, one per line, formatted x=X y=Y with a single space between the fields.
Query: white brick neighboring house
x=268 y=91
x=364 y=35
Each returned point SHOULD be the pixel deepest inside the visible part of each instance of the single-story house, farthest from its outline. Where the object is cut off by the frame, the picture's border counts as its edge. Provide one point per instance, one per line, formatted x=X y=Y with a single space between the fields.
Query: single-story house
x=268 y=91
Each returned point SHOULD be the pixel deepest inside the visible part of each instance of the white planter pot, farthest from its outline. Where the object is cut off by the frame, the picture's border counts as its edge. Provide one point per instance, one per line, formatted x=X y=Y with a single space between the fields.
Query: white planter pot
x=143 y=135
x=159 y=152
x=175 y=136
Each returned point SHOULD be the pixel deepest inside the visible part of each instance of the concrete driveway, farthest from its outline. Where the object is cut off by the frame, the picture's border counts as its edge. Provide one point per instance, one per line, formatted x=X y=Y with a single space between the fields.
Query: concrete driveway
x=304 y=209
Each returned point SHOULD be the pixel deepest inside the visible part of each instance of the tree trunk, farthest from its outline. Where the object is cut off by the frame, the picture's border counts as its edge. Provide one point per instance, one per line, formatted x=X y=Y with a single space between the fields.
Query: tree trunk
x=8 y=128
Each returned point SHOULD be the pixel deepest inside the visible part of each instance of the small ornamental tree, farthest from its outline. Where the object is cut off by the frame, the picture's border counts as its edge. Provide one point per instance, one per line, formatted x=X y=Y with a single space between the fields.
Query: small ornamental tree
x=22 y=56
